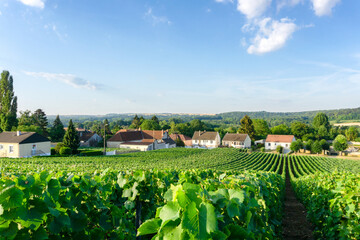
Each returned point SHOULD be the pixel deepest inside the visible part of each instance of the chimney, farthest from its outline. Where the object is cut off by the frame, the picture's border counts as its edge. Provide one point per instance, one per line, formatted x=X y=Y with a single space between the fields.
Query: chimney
x=18 y=133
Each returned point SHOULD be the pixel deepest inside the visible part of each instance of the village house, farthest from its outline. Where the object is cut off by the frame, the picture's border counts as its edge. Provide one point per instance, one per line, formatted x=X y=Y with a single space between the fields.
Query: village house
x=236 y=140
x=143 y=140
x=272 y=141
x=89 y=139
x=23 y=144
x=206 y=139
x=185 y=139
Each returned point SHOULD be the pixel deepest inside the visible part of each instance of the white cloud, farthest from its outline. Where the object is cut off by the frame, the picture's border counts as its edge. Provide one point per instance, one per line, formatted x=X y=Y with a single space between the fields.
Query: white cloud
x=271 y=35
x=156 y=19
x=0 y=13
x=34 y=3
x=69 y=79
x=253 y=8
x=324 y=7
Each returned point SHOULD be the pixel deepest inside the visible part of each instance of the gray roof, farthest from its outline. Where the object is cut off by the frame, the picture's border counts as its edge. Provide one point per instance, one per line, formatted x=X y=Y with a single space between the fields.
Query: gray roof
x=169 y=141
x=235 y=137
x=199 y=135
x=25 y=137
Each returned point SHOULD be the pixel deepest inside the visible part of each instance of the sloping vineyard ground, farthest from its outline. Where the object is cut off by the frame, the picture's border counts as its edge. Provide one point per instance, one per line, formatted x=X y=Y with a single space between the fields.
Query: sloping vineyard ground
x=179 y=194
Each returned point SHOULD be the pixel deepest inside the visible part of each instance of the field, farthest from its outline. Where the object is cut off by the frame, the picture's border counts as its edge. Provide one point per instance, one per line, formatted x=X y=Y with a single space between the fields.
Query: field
x=177 y=194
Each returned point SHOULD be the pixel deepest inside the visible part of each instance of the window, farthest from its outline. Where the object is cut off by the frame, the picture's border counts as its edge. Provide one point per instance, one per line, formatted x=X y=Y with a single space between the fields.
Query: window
x=286 y=145
x=269 y=144
x=11 y=149
x=211 y=142
x=1 y=147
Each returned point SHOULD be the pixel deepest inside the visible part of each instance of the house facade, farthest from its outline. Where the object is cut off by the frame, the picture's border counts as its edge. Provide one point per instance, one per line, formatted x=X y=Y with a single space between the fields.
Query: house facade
x=272 y=141
x=23 y=144
x=144 y=140
x=204 y=139
x=236 y=140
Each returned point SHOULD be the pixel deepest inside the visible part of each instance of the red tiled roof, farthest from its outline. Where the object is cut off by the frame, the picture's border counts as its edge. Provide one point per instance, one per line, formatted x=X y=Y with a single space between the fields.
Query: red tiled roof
x=280 y=138
x=153 y=134
x=126 y=136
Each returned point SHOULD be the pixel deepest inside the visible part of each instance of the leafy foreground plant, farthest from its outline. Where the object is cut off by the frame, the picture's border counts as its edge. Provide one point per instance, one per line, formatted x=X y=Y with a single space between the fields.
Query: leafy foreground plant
x=244 y=206
x=109 y=205
x=333 y=203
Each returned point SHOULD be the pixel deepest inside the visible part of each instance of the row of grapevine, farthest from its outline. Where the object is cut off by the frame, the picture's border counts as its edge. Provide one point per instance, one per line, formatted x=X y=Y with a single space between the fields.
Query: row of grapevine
x=111 y=205
x=180 y=159
x=332 y=198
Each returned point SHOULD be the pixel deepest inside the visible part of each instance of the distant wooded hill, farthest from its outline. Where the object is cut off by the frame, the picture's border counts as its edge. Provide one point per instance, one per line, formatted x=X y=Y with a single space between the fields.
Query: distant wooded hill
x=273 y=118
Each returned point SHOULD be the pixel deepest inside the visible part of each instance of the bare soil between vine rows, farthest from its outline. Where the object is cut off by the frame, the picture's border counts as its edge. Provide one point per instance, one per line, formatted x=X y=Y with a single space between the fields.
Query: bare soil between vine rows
x=295 y=224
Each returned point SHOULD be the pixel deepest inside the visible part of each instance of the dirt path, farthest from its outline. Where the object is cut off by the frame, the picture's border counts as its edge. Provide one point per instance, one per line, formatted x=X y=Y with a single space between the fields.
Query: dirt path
x=295 y=224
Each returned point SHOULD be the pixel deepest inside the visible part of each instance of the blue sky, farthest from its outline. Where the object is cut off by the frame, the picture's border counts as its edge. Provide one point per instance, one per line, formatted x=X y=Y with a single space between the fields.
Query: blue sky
x=203 y=56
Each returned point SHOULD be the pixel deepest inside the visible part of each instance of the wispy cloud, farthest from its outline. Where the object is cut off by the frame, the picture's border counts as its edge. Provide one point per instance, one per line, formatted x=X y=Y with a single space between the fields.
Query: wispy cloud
x=156 y=19
x=287 y=3
x=34 y=3
x=53 y=28
x=68 y=79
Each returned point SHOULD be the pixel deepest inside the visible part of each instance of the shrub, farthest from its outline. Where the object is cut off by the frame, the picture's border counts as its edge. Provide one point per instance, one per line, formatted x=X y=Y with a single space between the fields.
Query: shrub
x=280 y=149
x=58 y=147
x=262 y=149
x=65 y=151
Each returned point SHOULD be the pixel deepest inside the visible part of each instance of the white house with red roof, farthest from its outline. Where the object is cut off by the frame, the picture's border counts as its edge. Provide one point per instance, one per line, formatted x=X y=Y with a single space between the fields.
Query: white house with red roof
x=272 y=141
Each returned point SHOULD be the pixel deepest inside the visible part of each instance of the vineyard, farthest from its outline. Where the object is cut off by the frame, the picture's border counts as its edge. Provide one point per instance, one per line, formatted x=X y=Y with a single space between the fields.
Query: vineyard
x=176 y=194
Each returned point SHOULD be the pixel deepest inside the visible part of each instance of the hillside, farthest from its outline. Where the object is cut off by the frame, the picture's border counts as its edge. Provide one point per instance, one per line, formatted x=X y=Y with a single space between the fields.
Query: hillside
x=273 y=118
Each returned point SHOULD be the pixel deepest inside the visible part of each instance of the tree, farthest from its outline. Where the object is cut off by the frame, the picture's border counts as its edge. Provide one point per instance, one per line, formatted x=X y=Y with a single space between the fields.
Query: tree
x=316 y=147
x=279 y=149
x=150 y=125
x=246 y=126
x=281 y=129
x=26 y=118
x=40 y=120
x=135 y=122
x=261 y=128
x=179 y=142
x=294 y=146
x=155 y=118
x=57 y=131
x=197 y=125
x=340 y=143
x=299 y=129
x=322 y=132
x=308 y=145
x=71 y=138
x=352 y=133
x=325 y=146
x=321 y=120
x=301 y=144
x=8 y=102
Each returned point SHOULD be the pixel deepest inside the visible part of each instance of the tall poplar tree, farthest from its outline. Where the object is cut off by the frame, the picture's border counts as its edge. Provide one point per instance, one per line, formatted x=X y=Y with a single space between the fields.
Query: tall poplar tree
x=247 y=126
x=71 y=138
x=8 y=102
x=57 y=131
